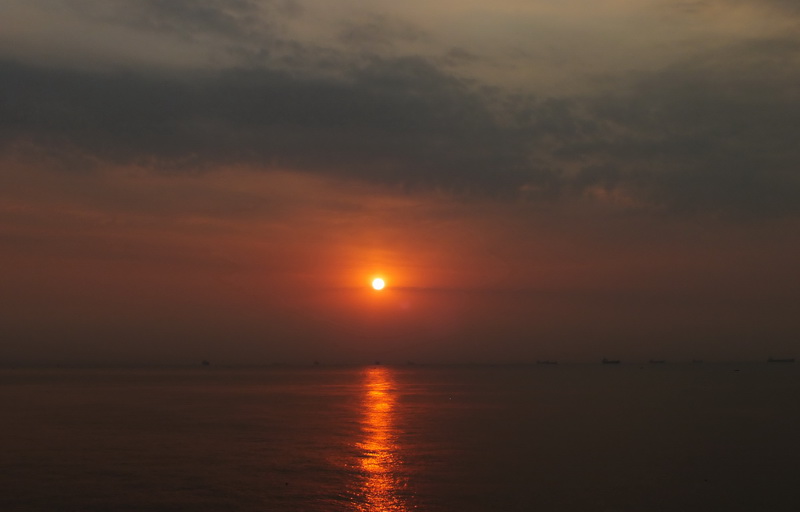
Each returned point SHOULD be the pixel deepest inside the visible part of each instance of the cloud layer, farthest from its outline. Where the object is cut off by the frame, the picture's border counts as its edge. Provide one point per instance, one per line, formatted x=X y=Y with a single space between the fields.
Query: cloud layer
x=716 y=133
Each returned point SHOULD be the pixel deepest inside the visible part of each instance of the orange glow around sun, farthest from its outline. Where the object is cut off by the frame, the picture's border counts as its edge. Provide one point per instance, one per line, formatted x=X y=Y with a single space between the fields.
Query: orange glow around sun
x=378 y=284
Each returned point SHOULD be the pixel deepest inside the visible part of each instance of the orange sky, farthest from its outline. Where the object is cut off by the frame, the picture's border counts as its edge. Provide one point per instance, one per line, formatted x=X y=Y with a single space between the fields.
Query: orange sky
x=277 y=266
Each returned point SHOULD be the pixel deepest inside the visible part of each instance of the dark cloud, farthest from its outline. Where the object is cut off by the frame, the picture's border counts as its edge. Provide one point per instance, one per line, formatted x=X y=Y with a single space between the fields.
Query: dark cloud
x=379 y=31
x=398 y=121
x=458 y=56
x=187 y=18
x=714 y=133
x=248 y=31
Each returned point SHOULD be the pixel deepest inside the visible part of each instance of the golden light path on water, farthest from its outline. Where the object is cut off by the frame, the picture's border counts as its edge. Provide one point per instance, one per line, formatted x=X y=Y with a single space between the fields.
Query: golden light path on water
x=379 y=460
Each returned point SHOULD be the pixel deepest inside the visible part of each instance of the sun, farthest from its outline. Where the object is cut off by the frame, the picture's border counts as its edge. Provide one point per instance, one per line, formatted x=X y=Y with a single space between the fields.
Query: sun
x=378 y=284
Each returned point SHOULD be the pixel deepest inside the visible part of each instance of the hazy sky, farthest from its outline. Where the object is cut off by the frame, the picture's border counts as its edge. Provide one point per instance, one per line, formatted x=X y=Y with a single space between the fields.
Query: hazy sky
x=534 y=179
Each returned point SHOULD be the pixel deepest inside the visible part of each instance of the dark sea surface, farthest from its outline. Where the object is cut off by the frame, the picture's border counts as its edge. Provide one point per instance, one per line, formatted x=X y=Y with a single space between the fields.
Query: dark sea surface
x=671 y=437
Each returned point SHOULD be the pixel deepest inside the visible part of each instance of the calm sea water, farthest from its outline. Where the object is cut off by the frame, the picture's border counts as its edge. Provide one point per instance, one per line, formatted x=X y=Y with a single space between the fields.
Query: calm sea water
x=548 y=438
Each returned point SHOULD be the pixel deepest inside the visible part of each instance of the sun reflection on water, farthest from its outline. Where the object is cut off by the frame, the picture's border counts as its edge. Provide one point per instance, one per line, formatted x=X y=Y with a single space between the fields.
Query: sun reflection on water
x=379 y=460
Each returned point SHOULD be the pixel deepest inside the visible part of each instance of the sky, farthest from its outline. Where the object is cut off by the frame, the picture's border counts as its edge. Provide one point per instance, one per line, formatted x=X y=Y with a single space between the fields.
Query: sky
x=221 y=179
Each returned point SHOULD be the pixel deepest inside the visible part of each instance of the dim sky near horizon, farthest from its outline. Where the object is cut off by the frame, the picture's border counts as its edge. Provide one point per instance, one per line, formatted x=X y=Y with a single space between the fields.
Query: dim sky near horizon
x=221 y=179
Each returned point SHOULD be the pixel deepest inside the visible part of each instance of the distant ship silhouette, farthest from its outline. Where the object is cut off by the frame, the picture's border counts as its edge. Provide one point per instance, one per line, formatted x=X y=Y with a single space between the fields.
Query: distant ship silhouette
x=610 y=361
x=778 y=360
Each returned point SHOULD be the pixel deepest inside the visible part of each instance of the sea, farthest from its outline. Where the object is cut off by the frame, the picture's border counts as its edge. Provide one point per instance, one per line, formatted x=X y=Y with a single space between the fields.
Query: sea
x=557 y=437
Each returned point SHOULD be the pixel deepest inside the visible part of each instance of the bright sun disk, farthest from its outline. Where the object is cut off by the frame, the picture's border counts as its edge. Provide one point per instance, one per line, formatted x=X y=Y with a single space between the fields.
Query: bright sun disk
x=378 y=283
